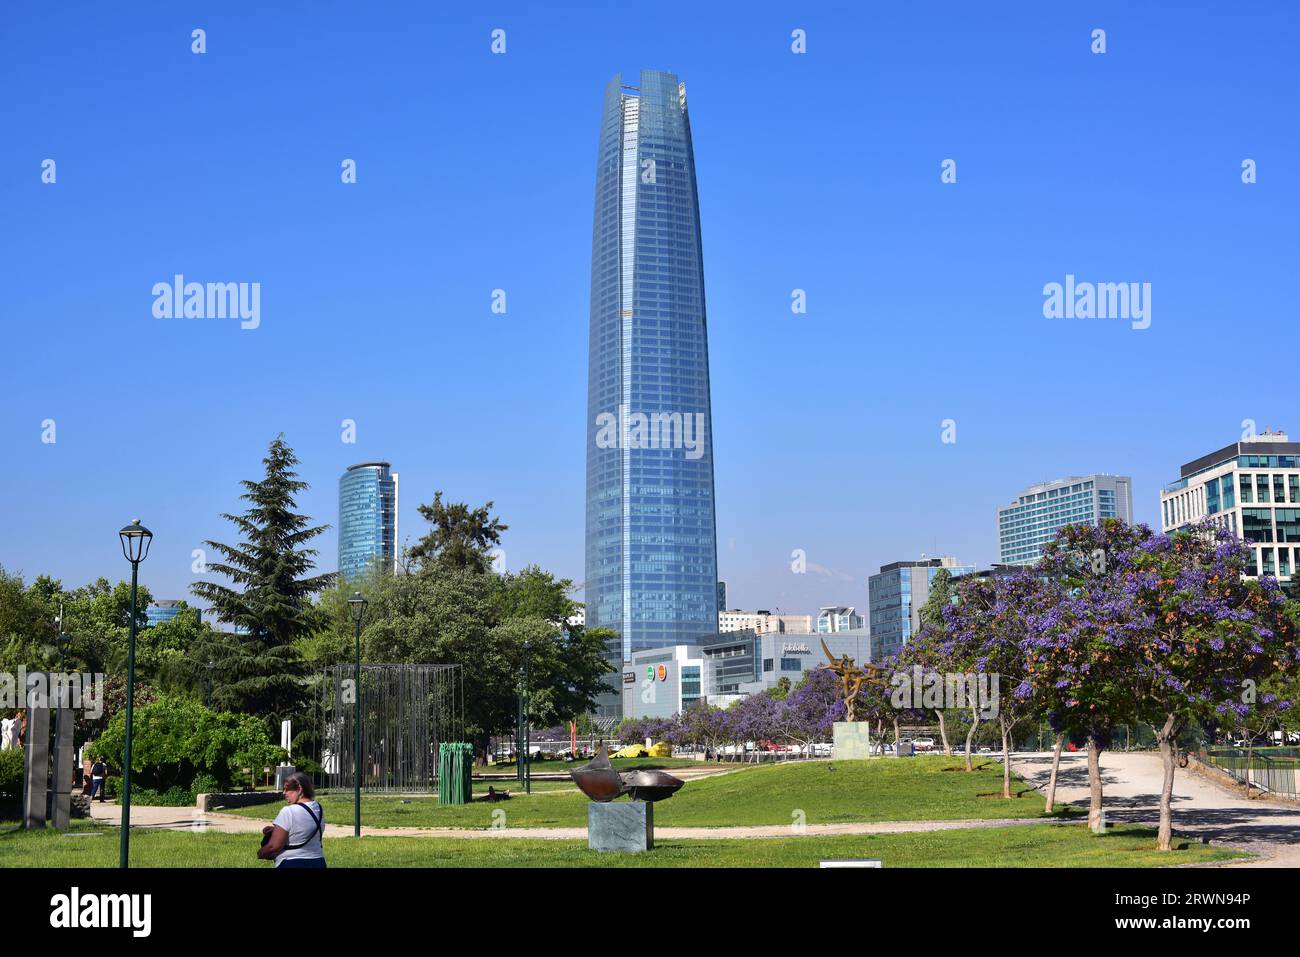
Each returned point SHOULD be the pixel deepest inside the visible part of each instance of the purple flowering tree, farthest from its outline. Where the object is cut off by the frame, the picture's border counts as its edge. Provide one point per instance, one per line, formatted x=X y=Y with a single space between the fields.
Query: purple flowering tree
x=1074 y=645
x=1203 y=634
x=811 y=709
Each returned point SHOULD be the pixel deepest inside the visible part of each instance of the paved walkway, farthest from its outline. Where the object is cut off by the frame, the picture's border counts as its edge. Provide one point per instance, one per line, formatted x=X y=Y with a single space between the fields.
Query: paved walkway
x=188 y=819
x=1131 y=785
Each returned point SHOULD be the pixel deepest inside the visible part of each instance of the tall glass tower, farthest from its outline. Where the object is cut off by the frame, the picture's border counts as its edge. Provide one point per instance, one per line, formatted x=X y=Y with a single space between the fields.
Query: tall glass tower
x=367 y=518
x=651 y=563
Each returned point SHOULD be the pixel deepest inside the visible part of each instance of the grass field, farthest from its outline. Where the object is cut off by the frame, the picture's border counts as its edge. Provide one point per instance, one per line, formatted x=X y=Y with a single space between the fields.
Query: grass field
x=1046 y=845
x=930 y=787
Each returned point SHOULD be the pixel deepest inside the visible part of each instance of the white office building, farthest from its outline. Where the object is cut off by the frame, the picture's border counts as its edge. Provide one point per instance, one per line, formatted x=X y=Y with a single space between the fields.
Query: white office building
x=1251 y=488
x=1040 y=511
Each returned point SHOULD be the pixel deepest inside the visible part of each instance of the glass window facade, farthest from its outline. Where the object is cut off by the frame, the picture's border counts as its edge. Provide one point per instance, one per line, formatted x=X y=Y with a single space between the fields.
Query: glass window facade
x=367 y=518
x=1039 y=512
x=651 y=552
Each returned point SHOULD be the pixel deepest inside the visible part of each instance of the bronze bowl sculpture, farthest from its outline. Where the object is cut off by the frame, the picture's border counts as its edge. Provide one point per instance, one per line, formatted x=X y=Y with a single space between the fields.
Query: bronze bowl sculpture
x=650 y=785
x=598 y=779
x=602 y=783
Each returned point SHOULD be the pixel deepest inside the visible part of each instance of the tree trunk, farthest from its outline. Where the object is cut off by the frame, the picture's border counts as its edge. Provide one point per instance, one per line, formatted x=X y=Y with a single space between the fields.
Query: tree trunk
x=1006 y=757
x=970 y=735
x=896 y=736
x=1056 y=766
x=1094 y=781
x=1167 y=736
x=943 y=734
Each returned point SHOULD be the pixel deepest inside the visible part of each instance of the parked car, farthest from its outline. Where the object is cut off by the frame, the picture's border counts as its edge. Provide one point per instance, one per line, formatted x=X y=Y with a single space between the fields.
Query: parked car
x=923 y=744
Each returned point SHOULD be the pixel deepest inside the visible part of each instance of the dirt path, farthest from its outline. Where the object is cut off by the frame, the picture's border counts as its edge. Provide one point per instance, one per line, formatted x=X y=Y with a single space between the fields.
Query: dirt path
x=1131 y=785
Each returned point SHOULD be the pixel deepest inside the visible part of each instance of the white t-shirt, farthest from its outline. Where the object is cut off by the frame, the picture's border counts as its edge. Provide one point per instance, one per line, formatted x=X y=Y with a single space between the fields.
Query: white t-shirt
x=301 y=827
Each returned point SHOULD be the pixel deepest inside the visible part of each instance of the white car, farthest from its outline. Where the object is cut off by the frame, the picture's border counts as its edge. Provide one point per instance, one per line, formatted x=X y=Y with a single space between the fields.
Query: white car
x=923 y=744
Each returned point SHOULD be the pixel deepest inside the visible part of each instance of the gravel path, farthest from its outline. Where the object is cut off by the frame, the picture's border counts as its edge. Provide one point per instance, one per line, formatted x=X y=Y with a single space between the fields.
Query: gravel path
x=1131 y=784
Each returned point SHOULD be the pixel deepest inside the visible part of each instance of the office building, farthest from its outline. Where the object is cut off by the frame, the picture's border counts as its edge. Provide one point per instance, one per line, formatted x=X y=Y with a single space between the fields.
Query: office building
x=651 y=552
x=1251 y=488
x=1033 y=519
x=896 y=595
x=367 y=519
x=723 y=668
x=836 y=618
x=167 y=609
x=762 y=622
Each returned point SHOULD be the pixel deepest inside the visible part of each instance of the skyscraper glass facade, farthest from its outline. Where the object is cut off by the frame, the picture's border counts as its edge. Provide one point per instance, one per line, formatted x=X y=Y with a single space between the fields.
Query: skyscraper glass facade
x=896 y=594
x=651 y=552
x=367 y=518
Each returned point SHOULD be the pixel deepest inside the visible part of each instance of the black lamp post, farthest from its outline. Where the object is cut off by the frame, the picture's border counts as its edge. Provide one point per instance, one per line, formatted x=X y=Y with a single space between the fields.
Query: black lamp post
x=135 y=546
x=357 y=607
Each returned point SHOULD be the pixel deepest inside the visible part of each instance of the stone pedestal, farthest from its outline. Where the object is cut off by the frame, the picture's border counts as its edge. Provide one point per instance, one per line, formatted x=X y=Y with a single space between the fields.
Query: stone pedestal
x=37 y=767
x=64 y=765
x=621 y=826
x=852 y=739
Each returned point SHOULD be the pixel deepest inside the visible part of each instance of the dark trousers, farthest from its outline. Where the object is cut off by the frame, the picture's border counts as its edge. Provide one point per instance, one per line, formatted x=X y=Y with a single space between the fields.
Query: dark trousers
x=97 y=786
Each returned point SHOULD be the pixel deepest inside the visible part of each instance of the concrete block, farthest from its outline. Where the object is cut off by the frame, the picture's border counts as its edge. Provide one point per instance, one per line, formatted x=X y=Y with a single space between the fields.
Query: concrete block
x=852 y=740
x=621 y=826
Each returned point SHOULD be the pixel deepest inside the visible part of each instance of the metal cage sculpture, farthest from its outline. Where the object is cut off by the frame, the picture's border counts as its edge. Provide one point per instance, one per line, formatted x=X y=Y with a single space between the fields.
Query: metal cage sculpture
x=406 y=712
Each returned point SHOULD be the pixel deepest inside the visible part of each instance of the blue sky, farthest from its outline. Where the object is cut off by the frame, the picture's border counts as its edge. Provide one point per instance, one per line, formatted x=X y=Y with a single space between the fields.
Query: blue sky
x=818 y=171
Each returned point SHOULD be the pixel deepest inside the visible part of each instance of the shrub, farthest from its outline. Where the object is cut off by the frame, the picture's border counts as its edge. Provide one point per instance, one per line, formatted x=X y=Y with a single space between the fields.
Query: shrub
x=177 y=738
x=205 y=783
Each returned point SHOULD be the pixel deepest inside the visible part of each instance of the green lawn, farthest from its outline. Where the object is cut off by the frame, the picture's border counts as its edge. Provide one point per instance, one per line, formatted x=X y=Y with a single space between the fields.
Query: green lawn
x=622 y=764
x=1046 y=845
x=931 y=787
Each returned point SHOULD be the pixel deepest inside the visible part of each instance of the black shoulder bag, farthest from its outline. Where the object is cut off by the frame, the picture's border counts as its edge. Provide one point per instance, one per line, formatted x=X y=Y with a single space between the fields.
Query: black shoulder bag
x=320 y=828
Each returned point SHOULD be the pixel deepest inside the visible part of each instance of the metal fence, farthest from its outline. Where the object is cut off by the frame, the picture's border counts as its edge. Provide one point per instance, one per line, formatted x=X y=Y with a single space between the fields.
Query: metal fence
x=406 y=712
x=1274 y=770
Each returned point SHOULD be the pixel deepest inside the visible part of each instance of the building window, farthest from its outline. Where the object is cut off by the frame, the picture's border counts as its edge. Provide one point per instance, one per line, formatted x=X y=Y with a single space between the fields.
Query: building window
x=1257 y=524
x=1261 y=489
x=1295 y=489
x=1229 y=495
x=1267 y=554
x=767 y=664
x=1212 y=496
x=1246 y=490
x=1288 y=524
x=791 y=664
x=1252 y=568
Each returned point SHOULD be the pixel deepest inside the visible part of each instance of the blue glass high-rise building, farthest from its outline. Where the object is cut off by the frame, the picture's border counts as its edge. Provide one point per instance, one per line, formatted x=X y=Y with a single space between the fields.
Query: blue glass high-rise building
x=651 y=548
x=367 y=518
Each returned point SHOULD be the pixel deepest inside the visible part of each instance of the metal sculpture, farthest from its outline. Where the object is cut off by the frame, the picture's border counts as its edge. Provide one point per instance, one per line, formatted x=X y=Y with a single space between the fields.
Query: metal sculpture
x=602 y=783
x=852 y=678
x=407 y=712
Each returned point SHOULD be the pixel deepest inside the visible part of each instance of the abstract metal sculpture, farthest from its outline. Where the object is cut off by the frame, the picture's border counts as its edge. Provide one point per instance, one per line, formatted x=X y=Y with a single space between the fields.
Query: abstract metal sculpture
x=852 y=678
x=602 y=783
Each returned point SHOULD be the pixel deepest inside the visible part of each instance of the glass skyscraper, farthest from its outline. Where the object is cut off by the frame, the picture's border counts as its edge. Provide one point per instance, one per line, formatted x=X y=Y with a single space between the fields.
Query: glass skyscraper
x=651 y=551
x=896 y=595
x=367 y=518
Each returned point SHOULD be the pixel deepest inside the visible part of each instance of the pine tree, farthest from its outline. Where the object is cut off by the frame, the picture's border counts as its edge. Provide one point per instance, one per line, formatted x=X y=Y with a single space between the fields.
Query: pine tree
x=258 y=669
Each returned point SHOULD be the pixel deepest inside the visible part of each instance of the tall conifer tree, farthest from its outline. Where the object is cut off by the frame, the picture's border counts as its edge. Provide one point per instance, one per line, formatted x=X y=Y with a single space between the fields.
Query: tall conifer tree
x=258 y=670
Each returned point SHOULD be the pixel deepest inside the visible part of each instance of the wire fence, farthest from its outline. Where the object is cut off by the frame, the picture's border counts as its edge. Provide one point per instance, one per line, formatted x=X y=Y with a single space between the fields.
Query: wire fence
x=1275 y=771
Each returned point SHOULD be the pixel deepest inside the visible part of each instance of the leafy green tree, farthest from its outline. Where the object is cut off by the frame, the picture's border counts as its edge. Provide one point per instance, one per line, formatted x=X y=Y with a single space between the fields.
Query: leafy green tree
x=175 y=738
x=461 y=537
x=258 y=670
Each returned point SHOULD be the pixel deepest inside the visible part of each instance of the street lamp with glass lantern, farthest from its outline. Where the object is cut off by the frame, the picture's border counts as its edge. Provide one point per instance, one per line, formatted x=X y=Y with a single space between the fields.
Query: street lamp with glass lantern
x=135 y=546
x=357 y=608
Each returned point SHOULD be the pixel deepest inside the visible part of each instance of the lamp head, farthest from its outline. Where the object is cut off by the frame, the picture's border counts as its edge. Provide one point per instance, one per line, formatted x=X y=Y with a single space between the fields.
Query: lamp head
x=135 y=542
